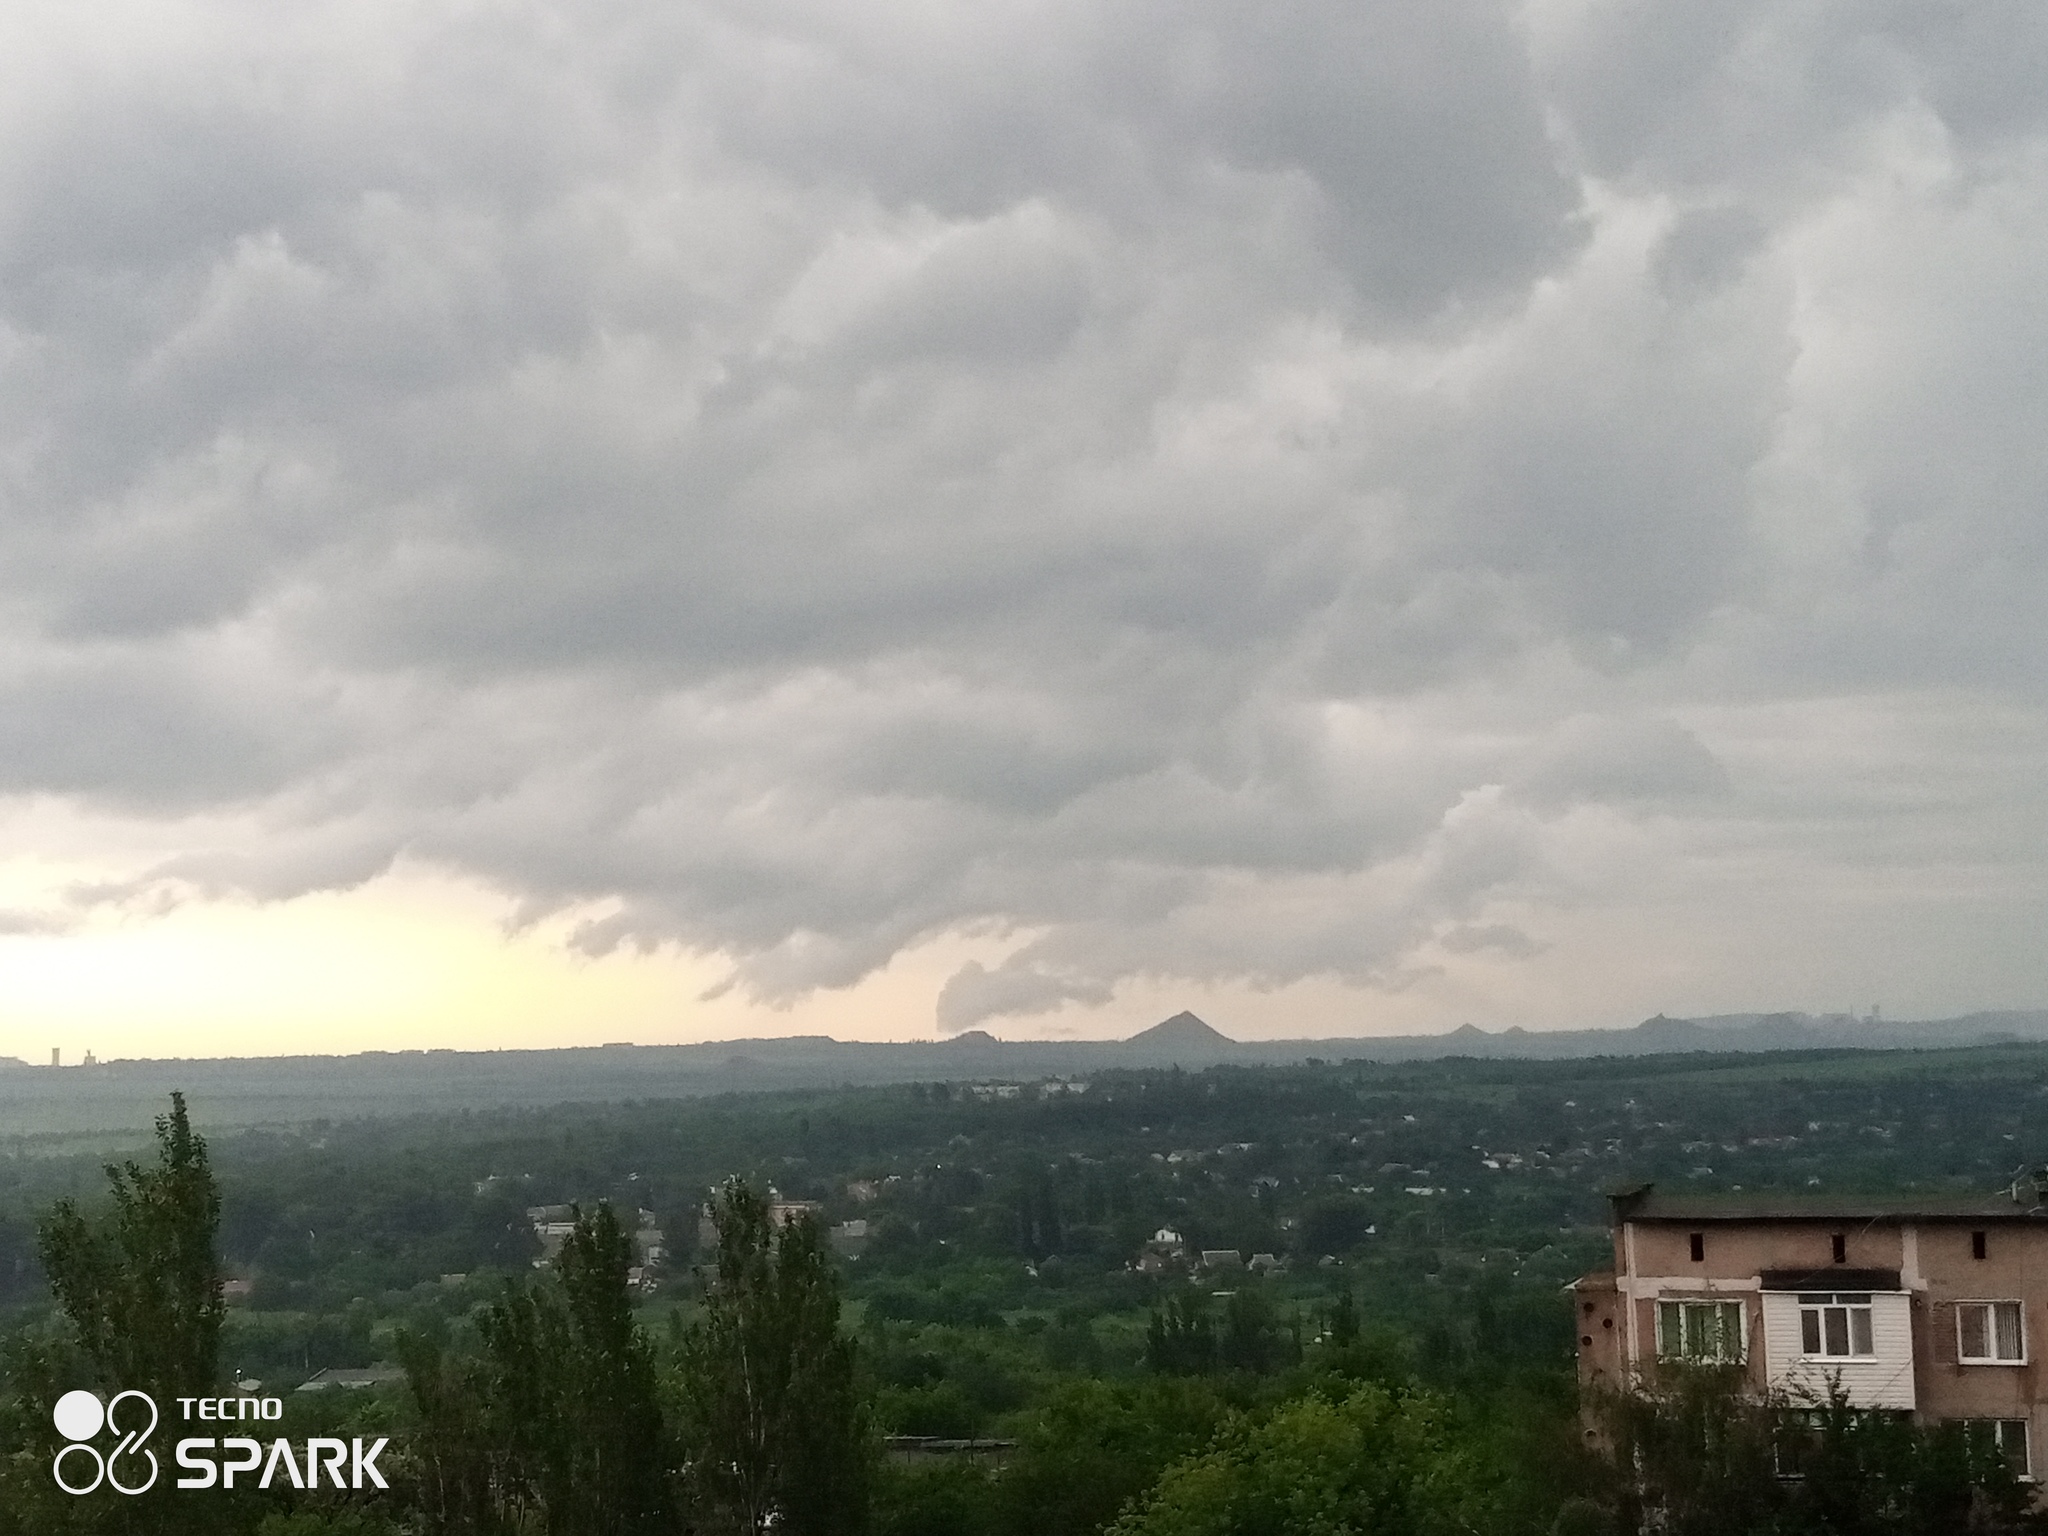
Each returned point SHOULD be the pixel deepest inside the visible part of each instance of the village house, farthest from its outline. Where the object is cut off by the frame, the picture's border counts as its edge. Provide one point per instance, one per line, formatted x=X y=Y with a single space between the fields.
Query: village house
x=1920 y=1304
x=1165 y=1252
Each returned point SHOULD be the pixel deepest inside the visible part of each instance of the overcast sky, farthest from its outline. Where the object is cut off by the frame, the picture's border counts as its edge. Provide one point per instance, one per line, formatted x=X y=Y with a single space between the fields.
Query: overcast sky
x=903 y=517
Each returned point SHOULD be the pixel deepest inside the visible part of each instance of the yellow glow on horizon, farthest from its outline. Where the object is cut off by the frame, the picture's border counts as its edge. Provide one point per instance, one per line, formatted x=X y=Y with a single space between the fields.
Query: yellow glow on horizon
x=398 y=963
x=410 y=960
x=421 y=960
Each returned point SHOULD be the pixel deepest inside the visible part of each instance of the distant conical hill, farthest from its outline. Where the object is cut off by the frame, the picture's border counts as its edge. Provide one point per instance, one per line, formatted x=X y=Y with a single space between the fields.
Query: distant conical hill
x=1182 y=1032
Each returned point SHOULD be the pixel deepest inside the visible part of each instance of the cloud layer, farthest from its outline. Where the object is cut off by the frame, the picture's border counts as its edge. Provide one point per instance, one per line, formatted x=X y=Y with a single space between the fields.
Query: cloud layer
x=1192 y=493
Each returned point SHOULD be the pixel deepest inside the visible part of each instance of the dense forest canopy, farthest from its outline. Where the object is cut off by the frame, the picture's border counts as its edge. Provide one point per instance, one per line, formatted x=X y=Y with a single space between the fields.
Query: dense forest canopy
x=1168 y=1263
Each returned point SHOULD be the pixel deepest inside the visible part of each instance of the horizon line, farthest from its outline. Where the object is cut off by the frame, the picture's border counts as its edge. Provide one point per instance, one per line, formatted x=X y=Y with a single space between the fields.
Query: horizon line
x=978 y=1034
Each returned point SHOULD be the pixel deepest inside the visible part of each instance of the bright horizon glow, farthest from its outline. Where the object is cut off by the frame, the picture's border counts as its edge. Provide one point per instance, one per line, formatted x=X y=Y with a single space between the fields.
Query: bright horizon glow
x=416 y=960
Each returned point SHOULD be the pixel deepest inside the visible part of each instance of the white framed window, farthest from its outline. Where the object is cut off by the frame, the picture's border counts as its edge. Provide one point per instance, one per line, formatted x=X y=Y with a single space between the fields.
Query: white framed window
x=2010 y=1438
x=1836 y=1327
x=1703 y=1332
x=1991 y=1333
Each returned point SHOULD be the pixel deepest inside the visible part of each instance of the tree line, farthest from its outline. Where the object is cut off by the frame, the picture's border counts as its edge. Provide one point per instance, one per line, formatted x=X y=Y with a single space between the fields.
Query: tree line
x=560 y=1415
x=564 y=1421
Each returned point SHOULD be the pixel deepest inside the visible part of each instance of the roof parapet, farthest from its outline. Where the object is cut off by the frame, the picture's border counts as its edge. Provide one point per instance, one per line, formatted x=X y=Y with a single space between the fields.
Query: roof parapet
x=1627 y=1199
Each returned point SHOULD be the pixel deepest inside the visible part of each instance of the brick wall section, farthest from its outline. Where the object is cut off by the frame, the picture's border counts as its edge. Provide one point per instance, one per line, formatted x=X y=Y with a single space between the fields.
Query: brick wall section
x=1931 y=1251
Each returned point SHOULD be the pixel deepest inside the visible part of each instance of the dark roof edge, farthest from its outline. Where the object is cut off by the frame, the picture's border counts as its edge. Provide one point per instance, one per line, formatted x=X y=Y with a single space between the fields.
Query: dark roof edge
x=1627 y=1199
x=1640 y=1203
x=1845 y=1216
x=1830 y=1278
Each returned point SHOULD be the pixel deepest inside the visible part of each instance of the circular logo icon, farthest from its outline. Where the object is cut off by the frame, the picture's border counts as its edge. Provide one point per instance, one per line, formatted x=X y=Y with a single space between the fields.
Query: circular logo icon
x=79 y=1417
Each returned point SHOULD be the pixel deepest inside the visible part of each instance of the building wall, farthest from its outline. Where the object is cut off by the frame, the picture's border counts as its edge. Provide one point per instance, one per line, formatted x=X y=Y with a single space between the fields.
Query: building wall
x=1744 y=1250
x=1603 y=1366
x=1937 y=1268
x=1602 y=1363
x=2014 y=1268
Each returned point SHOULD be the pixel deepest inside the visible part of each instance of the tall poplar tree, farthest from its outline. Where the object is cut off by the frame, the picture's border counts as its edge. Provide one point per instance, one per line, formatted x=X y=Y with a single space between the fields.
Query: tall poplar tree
x=771 y=1416
x=558 y=1427
x=142 y=1286
x=139 y=1289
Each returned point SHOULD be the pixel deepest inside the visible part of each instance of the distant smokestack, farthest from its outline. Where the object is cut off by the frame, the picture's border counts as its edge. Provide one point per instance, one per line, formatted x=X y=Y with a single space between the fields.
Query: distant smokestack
x=56 y=1056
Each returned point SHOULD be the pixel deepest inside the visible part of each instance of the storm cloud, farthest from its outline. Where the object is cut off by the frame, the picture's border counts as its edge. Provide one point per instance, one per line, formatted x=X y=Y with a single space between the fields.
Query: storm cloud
x=1185 y=491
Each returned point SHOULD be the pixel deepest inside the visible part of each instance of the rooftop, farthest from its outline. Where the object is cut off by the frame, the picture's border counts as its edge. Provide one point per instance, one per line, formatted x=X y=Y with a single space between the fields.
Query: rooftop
x=352 y=1378
x=1645 y=1202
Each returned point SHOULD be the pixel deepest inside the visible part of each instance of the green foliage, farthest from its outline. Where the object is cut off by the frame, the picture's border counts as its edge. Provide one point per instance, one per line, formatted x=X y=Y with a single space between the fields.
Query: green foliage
x=141 y=1287
x=1181 y=1338
x=313 y=1522
x=1091 y=1447
x=1698 y=1457
x=139 y=1308
x=293 y=1345
x=1376 y=1461
x=1344 y=1320
x=1255 y=1337
x=1335 y=1224
x=935 y=1501
x=939 y=1409
x=462 y=1481
x=767 y=1391
x=998 y=1294
x=558 y=1423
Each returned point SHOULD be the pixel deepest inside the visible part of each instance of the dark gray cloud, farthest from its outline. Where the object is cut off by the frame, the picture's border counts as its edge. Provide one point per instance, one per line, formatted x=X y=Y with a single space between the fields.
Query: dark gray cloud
x=1198 y=494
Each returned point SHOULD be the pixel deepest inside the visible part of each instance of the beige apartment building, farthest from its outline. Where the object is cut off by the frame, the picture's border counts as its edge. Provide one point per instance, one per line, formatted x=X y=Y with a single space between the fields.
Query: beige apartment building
x=1919 y=1305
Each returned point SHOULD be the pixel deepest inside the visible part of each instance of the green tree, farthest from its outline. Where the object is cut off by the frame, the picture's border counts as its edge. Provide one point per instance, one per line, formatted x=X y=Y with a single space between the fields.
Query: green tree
x=462 y=1476
x=622 y=1461
x=1698 y=1454
x=142 y=1286
x=1344 y=1320
x=1378 y=1461
x=1090 y=1447
x=559 y=1424
x=1254 y=1338
x=139 y=1309
x=1180 y=1340
x=770 y=1414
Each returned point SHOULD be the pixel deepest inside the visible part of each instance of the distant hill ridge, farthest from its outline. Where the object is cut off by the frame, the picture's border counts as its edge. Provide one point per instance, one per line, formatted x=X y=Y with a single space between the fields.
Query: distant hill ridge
x=125 y=1094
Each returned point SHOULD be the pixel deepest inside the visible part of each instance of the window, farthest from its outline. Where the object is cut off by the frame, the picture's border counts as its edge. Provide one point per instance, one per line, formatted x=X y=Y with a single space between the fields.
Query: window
x=1703 y=1332
x=1836 y=1327
x=1841 y=1253
x=2009 y=1436
x=1976 y=1245
x=1990 y=1333
x=1699 y=1247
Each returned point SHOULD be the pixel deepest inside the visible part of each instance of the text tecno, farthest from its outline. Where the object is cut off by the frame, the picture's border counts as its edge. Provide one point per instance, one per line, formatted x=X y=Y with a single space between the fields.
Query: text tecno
x=232 y=1407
